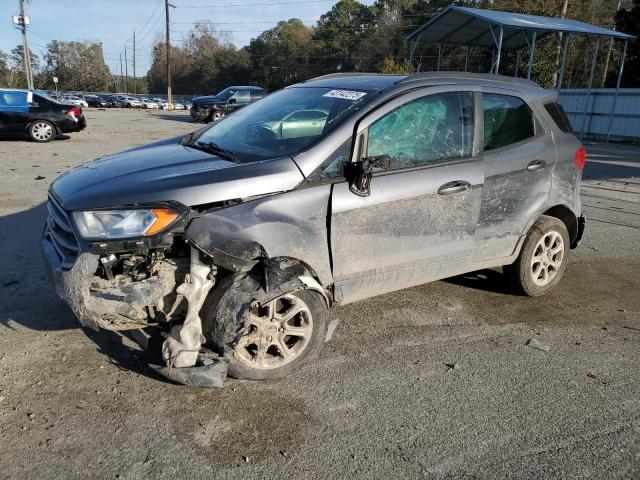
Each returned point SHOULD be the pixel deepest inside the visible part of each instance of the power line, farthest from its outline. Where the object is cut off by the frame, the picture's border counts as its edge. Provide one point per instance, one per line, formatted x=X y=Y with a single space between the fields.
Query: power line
x=224 y=5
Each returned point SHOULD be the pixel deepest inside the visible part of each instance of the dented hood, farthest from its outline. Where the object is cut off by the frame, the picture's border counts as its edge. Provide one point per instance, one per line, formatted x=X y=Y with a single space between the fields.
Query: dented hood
x=168 y=171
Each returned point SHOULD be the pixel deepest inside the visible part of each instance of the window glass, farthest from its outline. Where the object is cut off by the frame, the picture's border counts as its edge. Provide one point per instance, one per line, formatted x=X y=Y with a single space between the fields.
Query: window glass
x=430 y=129
x=559 y=116
x=333 y=166
x=242 y=96
x=507 y=120
x=14 y=99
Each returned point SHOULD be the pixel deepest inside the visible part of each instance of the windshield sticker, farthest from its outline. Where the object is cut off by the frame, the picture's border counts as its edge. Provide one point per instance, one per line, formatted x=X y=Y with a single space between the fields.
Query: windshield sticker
x=345 y=94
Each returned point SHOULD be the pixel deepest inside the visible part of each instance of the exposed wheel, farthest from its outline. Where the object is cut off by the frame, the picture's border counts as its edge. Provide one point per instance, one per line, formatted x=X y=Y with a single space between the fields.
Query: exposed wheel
x=543 y=258
x=217 y=115
x=263 y=339
x=41 y=131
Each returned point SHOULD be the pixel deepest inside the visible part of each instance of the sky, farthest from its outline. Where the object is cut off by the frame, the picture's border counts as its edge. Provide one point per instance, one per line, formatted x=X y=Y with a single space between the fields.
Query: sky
x=112 y=22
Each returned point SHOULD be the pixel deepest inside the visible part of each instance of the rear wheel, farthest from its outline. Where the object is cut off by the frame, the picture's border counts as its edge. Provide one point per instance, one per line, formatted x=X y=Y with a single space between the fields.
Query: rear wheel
x=265 y=339
x=543 y=258
x=41 y=131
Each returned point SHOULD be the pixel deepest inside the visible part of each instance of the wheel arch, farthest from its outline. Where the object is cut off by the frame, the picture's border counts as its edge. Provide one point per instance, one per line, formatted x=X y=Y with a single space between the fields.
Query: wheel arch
x=568 y=217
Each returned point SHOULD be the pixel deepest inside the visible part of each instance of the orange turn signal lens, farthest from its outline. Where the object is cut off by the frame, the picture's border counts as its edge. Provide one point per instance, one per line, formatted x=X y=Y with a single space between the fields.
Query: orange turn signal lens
x=164 y=218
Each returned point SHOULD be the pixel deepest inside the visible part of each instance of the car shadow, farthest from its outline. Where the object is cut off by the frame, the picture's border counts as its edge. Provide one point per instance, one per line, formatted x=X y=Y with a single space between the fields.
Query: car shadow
x=186 y=118
x=487 y=280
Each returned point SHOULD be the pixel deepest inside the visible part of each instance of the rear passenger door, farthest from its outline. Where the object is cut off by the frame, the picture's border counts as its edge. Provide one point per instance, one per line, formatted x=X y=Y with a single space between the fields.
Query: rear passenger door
x=14 y=112
x=518 y=160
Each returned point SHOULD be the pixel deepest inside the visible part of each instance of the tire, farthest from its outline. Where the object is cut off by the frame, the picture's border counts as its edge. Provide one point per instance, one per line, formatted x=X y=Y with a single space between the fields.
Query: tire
x=543 y=258
x=216 y=116
x=41 y=131
x=235 y=300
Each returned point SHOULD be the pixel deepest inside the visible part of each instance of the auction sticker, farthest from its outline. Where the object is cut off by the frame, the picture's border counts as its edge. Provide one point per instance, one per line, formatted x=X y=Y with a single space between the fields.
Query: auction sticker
x=345 y=94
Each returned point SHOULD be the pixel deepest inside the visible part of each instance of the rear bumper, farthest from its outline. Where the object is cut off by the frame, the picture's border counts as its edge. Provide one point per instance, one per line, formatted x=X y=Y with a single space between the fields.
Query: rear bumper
x=70 y=126
x=581 y=226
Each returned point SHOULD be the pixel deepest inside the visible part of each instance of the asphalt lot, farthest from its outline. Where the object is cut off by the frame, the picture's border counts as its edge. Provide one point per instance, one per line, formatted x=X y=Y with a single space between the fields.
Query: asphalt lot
x=380 y=402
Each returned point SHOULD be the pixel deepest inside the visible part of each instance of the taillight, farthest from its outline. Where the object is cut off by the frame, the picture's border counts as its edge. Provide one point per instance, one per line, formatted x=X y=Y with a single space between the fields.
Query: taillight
x=580 y=158
x=75 y=112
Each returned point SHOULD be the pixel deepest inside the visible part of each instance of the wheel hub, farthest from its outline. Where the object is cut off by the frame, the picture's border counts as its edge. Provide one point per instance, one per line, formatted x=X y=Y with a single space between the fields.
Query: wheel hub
x=278 y=332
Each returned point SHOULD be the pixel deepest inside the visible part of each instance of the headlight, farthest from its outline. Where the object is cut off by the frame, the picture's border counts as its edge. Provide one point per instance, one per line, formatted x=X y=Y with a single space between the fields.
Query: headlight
x=115 y=224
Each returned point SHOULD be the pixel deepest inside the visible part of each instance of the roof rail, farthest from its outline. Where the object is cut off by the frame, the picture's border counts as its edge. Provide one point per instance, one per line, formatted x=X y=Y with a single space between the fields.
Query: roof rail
x=347 y=74
x=485 y=77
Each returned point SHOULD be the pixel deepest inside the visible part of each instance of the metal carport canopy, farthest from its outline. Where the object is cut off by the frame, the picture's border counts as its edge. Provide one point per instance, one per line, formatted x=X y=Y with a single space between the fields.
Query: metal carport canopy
x=476 y=27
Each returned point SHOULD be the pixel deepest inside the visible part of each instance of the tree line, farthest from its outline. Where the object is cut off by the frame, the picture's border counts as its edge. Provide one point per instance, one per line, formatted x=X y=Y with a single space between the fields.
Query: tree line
x=351 y=36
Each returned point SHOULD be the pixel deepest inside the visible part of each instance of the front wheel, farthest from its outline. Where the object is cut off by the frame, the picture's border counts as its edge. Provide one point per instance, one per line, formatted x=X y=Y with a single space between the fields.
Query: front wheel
x=543 y=258
x=265 y=339
x=216 y=116
x=41 y=131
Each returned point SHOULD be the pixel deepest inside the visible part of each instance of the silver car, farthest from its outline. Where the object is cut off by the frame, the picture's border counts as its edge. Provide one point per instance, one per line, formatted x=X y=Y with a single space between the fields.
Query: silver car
x=238 y=238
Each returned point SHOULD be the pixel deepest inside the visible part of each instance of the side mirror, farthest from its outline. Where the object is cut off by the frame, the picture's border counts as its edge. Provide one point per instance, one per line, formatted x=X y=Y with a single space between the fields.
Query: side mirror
x=359 y=173
x=232 y=101
x=29 y=97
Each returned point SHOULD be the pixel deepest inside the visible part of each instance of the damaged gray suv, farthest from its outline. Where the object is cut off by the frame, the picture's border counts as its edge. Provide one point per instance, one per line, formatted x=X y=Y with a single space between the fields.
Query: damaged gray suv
x=236 y=239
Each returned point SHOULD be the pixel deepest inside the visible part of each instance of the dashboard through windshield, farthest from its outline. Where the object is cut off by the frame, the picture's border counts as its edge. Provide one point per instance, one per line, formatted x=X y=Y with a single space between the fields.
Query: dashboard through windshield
x=283 y=123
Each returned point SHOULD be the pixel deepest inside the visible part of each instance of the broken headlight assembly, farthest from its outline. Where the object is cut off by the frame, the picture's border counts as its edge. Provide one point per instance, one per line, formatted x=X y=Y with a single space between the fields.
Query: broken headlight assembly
x=125 y=223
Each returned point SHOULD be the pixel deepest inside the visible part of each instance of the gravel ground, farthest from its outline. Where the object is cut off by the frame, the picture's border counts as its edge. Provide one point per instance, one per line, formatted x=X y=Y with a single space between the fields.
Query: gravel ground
x=382 y=401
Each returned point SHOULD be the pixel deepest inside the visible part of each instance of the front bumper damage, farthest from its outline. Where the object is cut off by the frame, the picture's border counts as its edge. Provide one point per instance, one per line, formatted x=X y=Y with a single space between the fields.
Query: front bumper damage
x=124 y=304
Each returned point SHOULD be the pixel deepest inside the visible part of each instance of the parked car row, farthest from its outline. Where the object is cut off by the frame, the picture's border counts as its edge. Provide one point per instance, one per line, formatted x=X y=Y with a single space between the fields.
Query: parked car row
x=107 y=100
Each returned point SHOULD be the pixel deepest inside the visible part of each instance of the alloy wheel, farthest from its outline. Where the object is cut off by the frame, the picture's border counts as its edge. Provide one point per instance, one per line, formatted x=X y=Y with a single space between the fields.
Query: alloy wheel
x=42 y=131
x=278 y=333
x=547 y=258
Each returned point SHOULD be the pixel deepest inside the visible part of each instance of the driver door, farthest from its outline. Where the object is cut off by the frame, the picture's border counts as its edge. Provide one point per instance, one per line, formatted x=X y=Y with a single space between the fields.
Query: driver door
x=418 y=223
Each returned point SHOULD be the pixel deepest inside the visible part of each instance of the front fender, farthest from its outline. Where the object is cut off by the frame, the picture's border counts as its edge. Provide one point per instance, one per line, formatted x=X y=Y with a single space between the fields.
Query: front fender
x=291 y=224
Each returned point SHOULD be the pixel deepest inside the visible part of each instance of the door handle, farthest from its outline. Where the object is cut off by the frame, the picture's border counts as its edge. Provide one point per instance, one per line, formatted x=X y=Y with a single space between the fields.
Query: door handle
x=456 y=186
x=536 y=165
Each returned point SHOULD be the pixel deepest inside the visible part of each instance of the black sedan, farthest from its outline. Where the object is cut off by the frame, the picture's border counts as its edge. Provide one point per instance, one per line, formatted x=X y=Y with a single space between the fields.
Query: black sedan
x=37 y=116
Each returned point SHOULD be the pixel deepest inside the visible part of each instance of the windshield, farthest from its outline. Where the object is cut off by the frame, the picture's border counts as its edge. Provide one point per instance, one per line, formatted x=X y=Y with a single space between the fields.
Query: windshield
x=226 y=93
x=283 y=123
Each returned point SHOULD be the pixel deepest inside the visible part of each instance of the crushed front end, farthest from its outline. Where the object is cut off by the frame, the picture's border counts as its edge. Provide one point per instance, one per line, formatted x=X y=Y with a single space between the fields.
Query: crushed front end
x=153 y=284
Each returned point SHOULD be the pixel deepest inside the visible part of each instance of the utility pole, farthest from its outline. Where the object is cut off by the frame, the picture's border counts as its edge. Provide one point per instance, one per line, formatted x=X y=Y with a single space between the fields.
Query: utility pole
x=134 y=63
x=606 y=62
x=121 y=77
x=25 y=45
x=126 y=69
x=168 y=49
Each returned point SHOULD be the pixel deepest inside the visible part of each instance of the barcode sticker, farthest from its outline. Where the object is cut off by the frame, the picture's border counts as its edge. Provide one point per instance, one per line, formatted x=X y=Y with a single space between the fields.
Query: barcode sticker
x=345 y=94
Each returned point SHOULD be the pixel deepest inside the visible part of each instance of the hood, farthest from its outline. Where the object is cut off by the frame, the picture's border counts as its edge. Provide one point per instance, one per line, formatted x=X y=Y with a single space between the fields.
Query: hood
x=207 y=99
x=168 y=171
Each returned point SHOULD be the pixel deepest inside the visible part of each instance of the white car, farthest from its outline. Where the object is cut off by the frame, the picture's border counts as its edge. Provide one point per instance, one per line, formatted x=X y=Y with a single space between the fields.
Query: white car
x=132 y=102
x=148 y=103
x=163 y=104
x=178 y=106
x=76 y=101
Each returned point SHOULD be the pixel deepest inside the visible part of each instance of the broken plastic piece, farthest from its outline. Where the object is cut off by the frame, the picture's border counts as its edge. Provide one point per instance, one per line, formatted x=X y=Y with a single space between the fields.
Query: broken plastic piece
x=208 y=373
x=182 y=345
